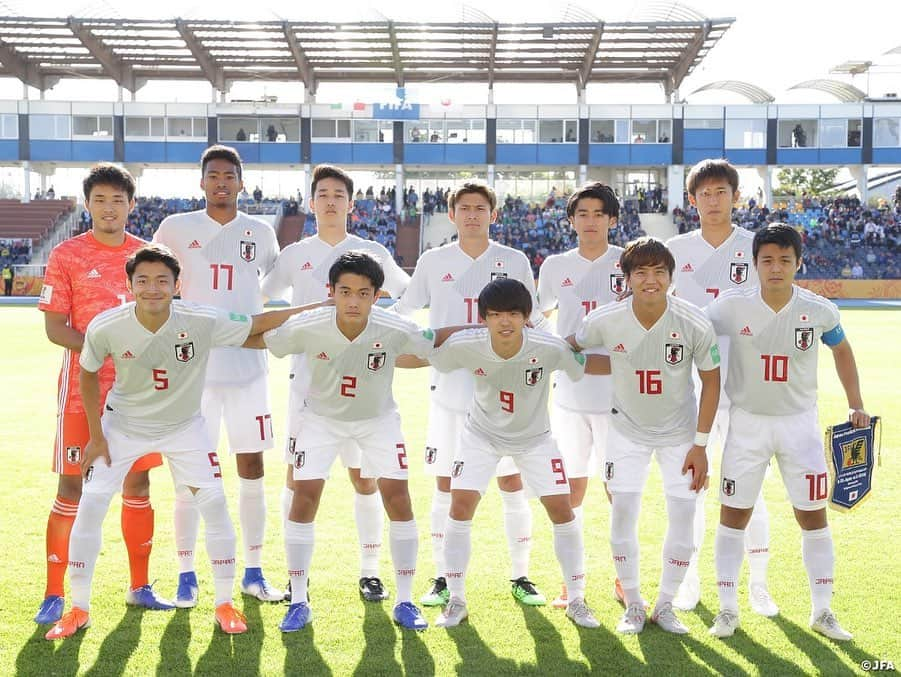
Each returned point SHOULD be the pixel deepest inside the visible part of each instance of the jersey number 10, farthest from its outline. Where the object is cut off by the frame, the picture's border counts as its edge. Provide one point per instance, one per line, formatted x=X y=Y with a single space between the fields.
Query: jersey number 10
x=775 y=368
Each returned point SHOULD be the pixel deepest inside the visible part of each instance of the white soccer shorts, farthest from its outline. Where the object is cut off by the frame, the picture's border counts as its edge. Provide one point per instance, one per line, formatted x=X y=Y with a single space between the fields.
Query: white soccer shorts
x=188 y=452
x=349 y=453
x=442 y=443
x=797 y=444
x=247 y=414
x=542 y=467
x=628 y=463
x=383 y=453
x=582 y=439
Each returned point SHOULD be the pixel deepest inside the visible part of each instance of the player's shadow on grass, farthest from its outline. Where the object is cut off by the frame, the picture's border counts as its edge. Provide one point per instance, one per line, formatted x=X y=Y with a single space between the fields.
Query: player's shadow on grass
x=744 y=645
x=301 y=655
x=174 y=645
x=378 y=652
x=605 y=652
x=820 y=650
x=476 y=657
x=118 y=645
x=235 y=654
x=550 y=653
x=40 y=657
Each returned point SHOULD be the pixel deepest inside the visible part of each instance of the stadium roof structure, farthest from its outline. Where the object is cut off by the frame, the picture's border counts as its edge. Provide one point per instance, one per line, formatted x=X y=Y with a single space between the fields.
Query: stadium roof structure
x=39 y=51
x=748 y=90
x=840 y=90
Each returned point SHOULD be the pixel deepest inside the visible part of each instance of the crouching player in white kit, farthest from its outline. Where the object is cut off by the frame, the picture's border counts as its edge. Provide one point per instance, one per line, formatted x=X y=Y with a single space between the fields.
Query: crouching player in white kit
x=654 y=340
x=160 y=350
x=351 y=350
x=508 y=417
x=772 y=384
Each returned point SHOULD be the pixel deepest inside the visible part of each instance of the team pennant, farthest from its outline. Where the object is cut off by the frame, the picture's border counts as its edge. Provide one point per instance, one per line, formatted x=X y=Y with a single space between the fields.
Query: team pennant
x=851 y=456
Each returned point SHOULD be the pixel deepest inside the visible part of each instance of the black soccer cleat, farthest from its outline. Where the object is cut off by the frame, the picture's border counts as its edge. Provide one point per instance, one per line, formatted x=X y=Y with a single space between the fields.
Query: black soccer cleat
x=372 y=590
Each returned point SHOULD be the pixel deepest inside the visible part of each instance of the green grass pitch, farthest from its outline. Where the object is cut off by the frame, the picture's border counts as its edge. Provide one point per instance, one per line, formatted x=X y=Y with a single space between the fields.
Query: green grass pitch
x=351 y=637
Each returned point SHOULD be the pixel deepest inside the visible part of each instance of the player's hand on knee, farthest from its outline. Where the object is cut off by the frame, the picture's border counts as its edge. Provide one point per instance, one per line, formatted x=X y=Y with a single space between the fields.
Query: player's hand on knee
x=696 y=462
x=859 y=418
x=96 y=448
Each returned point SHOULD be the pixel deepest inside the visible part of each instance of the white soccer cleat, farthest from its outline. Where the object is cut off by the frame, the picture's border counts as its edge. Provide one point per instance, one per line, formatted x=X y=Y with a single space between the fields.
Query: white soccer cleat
x=689 y=593
x=581 y=614
x=724 y=624
x=761 y=602
x=827 y=624
x=454 y=613
x=666 y=619
x=633 y=620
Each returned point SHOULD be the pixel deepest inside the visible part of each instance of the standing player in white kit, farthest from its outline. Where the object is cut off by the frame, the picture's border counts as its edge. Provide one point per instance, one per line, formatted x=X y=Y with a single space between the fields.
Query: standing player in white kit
x=303 y=269
x=710 y=261
x=224 y=254
x=448 y=280
x=576 y=282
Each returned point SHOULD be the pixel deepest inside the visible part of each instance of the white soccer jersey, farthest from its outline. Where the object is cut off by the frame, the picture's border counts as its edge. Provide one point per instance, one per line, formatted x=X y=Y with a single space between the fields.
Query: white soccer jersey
x=159 y=376
x=350 y=380
x=510 y=404
x=576 y=286
x=222 y=265
x=449 y=282
x=303 y=269
x=773 y=365
x=704 y=272
x=653 y=392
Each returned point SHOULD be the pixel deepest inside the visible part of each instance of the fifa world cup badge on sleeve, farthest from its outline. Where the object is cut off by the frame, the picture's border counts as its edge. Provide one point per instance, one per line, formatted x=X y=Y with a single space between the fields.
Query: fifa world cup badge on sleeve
x=851 y=455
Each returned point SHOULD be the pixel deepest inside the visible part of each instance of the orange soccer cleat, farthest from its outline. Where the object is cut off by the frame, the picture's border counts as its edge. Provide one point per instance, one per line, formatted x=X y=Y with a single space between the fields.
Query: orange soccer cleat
x=69 y=624
x=232 y=621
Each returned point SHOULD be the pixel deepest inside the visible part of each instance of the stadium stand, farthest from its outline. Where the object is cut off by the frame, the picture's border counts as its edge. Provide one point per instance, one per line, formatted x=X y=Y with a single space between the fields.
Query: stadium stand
x=842 y=237
x=25 y=224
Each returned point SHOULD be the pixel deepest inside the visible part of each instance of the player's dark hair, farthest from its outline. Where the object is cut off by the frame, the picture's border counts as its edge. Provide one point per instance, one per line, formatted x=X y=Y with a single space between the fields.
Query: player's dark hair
x=470 y=188
x=646 y=251
x=153 y=252
x=108 y=174
x=505 y=295
x=712 y=169
x=321 y=172
x=780 y=234
x=358 y=263
x=599 y=191
x=220 y=152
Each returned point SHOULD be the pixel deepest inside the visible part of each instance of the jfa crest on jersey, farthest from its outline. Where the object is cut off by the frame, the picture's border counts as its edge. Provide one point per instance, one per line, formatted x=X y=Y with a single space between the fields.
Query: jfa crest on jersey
x=738 y=272
x=533 y=376
x=803 y=337
x=617 y=283
x=376 y=361
x=184 y=351
x=248 y=250
x=673 y=353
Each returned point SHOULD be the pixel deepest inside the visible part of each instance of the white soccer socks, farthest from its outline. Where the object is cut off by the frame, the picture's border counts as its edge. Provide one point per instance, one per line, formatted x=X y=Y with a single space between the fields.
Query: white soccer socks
x=457 y=550
x=252 y=517
x=441 y=502
x=819 y=561
x=221 y=542
x=677 y=546
x=404 y=540
x=298 y=554
x=369 y=516
x=186 y=524
x=624 y=542
x=570 y=551
x=84 y=546
x=518 y=527
x=757 y=542
x=728 y=553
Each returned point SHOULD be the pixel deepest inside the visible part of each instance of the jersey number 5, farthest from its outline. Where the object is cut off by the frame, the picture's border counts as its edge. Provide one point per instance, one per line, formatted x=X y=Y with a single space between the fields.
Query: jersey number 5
x=160 y=379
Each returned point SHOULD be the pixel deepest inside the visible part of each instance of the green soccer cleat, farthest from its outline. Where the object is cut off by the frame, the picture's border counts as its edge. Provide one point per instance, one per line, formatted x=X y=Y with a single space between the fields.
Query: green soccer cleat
x=525 y=591
x=438 y=595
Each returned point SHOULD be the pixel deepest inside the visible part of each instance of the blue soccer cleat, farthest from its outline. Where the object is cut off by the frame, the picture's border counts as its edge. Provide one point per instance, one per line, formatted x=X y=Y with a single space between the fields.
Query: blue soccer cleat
x=51 y=610
x=296 y=617
x=147 y=598
x=407 y=615
x=186 y=595
x=255 y=585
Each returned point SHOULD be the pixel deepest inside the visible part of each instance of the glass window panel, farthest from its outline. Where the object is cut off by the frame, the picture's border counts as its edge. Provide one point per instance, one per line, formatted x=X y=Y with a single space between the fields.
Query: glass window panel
x=664 y=131
x=886 y=133
x=239 y=129
x=833 y=133
x=797 y=134
x=280 y=130
x=137 y=127
x=550 y=131
x=745 y=133
x=644 y=131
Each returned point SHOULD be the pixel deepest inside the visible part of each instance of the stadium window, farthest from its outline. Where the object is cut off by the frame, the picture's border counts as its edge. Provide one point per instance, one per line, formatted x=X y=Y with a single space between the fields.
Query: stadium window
x=465 y=131
x=644 y=131
x=713 y=123
x=373 y=131
x=886 y=132
x=145 y=127
x=558 y=131
x=424 y=131
x=665 y=131
x=92 y=126
x=9 y=126
x=331 y=130
x=280 y=130
x=602 y=131
x=840 y=133
x=745 y=133
x=186 y=128
x=797 y=134
x=239 y=129
x=49 y=126
x=516 y=131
